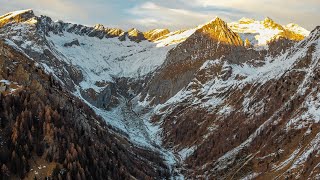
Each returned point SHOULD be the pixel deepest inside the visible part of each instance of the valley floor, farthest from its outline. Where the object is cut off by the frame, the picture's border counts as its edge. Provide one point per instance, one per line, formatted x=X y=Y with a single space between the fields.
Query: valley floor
x=140 y=131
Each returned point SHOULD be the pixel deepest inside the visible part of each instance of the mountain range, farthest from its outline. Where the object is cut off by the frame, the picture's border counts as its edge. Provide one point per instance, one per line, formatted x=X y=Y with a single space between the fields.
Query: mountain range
x=222 y=100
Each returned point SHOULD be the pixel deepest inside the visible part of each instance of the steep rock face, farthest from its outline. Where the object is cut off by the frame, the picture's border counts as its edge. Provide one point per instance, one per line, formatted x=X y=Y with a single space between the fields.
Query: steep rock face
x=74 y=42
x=16 y=17
x=113 y=32
x=247 y=43
x=269 y=23
x=210 y=41
x=133 y=34
x=219 y=31
x=104 y=99
x=279 y=46
x=102 y=32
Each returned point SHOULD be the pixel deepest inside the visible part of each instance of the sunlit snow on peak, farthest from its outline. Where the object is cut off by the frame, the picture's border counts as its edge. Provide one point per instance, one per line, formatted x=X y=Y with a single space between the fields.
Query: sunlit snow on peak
x=259 y=33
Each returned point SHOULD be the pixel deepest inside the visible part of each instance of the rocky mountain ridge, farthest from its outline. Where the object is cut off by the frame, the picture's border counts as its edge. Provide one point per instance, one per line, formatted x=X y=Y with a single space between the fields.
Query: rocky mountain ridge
x=245 y=25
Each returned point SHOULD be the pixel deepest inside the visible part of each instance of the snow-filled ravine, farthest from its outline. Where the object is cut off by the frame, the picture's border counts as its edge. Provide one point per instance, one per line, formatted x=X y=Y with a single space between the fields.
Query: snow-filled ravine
x=139 y=131
x=103 y=59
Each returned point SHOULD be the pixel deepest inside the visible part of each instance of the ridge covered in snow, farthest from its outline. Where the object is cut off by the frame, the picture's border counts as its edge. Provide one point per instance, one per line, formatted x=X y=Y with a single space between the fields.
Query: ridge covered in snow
x=11 y=15
x=259 y=33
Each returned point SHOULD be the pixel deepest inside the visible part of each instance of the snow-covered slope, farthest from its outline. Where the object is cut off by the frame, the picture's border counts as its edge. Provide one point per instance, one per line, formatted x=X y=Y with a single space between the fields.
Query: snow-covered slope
x=102 y=59
x=297 y=29
x=99 y=59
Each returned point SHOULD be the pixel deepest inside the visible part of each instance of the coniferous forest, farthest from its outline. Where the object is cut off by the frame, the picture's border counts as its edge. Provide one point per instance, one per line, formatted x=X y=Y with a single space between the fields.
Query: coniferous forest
x=46 y=130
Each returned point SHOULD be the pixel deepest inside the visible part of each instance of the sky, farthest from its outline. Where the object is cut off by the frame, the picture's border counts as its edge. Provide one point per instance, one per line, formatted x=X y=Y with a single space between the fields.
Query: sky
x=171 y=14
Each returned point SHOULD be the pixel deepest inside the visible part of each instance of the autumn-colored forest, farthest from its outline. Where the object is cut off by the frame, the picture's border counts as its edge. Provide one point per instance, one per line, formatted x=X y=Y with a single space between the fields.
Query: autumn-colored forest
x=47 y=132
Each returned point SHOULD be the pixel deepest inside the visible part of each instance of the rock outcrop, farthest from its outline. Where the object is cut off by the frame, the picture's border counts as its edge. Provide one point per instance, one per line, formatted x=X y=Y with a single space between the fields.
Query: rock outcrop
x=16 y=17
x=155 y=34
x=70 y=44
x=210 y=41
x=133 y=35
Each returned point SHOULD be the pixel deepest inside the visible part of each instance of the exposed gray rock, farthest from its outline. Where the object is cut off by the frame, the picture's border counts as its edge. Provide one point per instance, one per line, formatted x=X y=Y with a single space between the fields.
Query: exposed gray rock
x=100 y=99
x=133 y=35
x=70 y=44
x=75 y=74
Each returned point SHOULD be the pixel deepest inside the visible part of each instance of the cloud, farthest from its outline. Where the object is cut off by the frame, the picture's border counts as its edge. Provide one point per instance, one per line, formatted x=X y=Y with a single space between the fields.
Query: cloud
x=172 y=14
x=151 y=15
x=304 y=12
x=57 y=8
x=77 y=11
x=180 y=13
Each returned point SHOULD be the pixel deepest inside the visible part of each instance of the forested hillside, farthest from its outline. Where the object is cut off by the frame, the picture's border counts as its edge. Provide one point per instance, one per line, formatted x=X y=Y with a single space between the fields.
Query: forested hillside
x=47 y=132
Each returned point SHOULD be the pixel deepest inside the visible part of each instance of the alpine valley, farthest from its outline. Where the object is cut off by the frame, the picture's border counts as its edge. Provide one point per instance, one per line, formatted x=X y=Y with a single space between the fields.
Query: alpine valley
x=237 y=100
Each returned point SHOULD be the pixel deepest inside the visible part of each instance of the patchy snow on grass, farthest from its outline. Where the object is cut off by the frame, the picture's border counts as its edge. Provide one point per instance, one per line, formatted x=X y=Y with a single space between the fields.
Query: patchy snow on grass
x=313 y=109
x=286 y=162
x=312 y=147
x=251 y=176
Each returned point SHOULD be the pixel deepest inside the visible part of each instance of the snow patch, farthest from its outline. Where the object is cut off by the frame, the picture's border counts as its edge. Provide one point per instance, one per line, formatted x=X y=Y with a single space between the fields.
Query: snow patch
x=186 y=152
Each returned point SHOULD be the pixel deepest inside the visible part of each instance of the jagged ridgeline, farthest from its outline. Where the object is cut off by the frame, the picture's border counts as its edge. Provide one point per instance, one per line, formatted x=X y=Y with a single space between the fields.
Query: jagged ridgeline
x=222 y=100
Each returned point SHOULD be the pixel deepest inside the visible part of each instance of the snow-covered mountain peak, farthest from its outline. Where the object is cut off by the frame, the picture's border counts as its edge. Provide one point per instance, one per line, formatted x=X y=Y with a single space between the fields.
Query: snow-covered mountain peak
x=271 y=24
x=246 y=20
x=268 y=19
x=134 y=32
x=156 y=34
x=260 y=33
x=99 y=27
x=297 y=29
x=216 y=20
x=175 y=37
x=218 y=29
x=315 y=35
x=316 y=30
x=17 y=13
x=16 y=17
